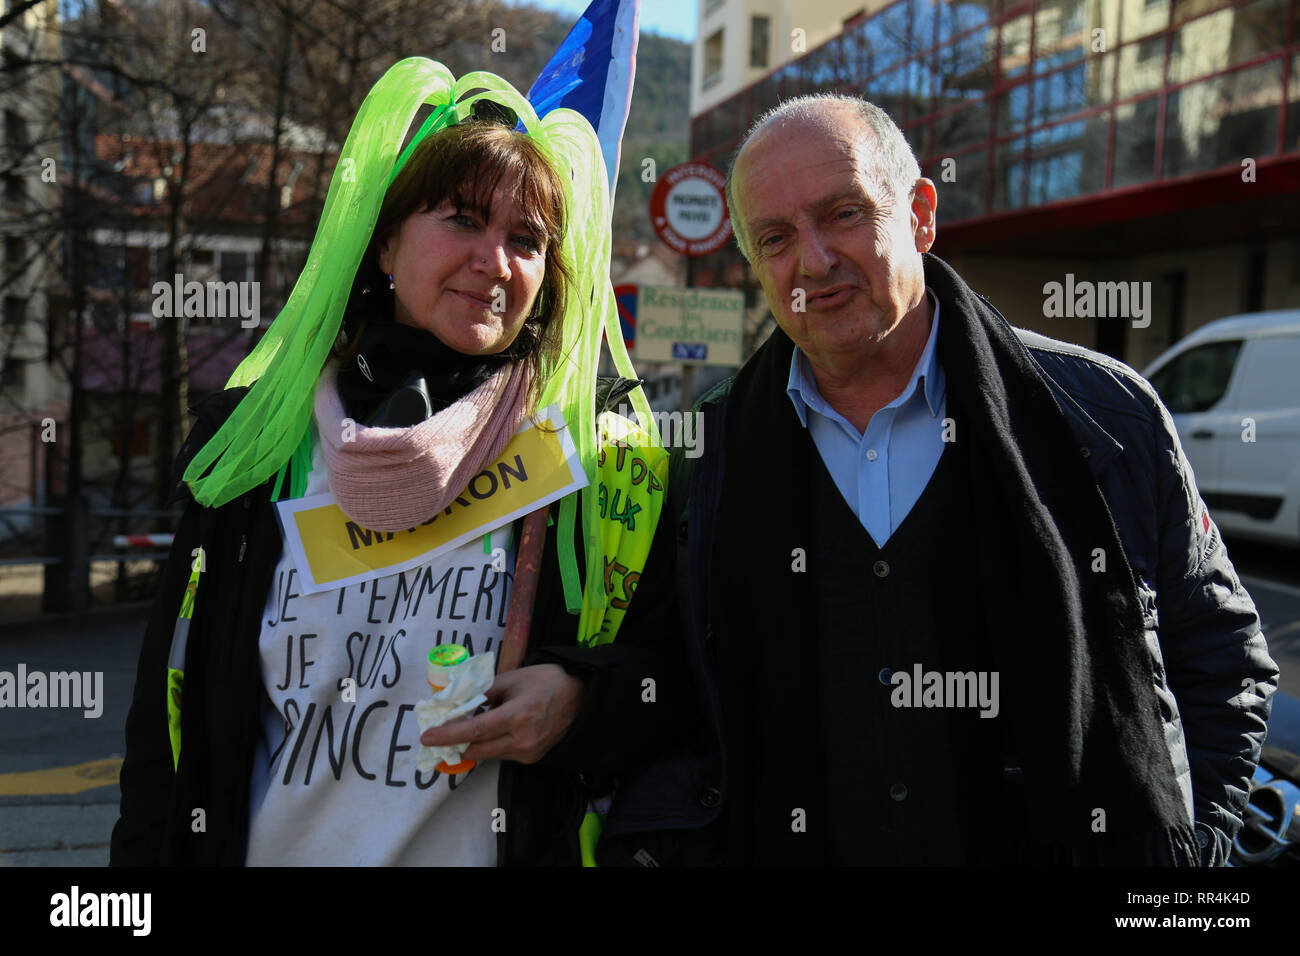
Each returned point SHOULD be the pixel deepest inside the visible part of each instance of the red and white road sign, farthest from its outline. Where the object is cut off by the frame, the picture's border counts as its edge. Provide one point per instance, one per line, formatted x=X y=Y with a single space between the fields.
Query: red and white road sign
x=688 y=209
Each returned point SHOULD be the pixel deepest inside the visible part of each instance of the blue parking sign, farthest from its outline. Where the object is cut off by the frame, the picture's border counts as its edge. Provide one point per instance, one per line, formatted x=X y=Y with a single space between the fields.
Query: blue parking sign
x=692 y=351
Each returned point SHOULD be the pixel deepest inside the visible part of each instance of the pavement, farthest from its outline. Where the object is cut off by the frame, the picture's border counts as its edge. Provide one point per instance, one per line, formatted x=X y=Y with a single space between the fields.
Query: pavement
x=73 y=833
x=58 y=766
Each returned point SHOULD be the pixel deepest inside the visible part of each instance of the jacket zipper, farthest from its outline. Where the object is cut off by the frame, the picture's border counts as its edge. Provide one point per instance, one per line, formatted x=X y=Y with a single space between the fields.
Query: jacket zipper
x=243 y=540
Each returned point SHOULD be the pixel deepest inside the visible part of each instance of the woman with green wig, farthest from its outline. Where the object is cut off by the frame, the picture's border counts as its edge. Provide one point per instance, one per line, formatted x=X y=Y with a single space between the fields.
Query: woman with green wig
x=342 y=578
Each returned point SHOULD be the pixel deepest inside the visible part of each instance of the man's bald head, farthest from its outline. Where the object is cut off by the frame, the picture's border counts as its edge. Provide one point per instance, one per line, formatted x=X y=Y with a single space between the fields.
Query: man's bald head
x=892 y=166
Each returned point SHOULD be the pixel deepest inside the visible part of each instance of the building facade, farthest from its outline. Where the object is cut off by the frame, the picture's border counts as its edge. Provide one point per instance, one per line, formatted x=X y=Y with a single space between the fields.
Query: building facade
x=1149 y=143
x=33 y=390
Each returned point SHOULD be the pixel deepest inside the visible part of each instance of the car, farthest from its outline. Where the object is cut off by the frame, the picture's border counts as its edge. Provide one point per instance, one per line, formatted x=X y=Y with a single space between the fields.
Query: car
x=1270 y=832
x=1233 y=389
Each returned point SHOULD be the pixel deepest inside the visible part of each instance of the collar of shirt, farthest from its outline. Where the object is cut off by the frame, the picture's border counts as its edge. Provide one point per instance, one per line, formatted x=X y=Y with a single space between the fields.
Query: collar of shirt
x=804 y=395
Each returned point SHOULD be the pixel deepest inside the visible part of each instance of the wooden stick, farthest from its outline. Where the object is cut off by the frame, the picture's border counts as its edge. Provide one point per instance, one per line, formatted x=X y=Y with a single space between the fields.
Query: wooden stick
x=523 y=592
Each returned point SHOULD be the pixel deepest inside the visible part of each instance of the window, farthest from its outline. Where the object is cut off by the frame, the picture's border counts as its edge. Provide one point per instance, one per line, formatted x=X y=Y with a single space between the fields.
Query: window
x=56 y=324
x=1216 y=122
x=235 y=266
x=759 y=41
x=1058 y=28
x=139 y=438
x=918 y=137
x=1013 y=109
x=713 y=60
x=1061 y=94
x=1151 y=48
x=966 y=67
x=15 y=251
x=1068 y=159
x=1197 y=379
x=14 y=373
x=15 y=188
x=1073 y=19
x=1135 y=142
x=138 y=268
x=765 y=95
x=1225 y=39
x=1009 y=173
x=1270 y=378
x=888 y=39
x=1015 y=46
x=956 y=17
x=924 y=16
x=15 y=311
x=966 y=128
x=962 y=191
x=1055 y=177
x=202 y=265
x=15 y=133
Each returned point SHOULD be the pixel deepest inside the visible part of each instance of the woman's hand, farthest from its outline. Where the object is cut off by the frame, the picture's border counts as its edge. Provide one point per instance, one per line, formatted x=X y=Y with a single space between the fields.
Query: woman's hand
x=531 y=710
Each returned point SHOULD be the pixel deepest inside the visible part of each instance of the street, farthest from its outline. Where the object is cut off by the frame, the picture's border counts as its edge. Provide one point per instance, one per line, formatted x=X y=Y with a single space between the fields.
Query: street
x=59 y=768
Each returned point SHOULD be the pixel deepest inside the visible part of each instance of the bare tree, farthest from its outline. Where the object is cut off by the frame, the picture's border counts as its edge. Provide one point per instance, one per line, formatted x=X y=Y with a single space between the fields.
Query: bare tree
x=30 y=258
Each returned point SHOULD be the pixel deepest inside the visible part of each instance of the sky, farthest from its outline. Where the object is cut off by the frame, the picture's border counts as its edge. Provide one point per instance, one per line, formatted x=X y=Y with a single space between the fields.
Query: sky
x=674 y=18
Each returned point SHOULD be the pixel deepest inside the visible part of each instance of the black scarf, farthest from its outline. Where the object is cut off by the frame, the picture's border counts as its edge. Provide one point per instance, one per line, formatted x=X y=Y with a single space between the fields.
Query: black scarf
x=1076 y=678
x=392 y=352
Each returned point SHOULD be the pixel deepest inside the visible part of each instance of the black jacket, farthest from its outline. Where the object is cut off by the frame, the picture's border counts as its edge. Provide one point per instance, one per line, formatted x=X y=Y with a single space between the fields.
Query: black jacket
x=221 y=720
x=1202 y=631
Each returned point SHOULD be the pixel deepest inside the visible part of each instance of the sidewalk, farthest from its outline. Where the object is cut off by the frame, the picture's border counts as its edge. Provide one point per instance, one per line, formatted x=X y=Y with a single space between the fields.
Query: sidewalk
x=62 y=816
x=71 y=834
x=58 y=769
x=21 y=586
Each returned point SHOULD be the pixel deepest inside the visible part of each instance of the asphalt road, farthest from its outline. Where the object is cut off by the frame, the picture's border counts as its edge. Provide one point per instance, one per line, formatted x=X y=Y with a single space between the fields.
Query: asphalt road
x=58 y=767
x=63 y=817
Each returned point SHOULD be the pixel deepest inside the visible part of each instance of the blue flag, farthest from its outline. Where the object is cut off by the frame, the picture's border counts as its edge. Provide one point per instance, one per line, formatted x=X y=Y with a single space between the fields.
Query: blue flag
x=592 y=73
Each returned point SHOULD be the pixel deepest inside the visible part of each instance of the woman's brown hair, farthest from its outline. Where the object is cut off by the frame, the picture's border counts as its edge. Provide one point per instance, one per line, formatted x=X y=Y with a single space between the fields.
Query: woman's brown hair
x=465 y=163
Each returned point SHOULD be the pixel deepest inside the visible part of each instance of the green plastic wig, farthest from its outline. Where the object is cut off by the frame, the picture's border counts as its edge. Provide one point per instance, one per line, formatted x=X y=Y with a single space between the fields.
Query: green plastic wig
x=269 y=424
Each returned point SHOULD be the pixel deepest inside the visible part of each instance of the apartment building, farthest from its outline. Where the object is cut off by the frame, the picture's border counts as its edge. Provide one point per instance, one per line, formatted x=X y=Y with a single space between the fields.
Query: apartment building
x=33 y=392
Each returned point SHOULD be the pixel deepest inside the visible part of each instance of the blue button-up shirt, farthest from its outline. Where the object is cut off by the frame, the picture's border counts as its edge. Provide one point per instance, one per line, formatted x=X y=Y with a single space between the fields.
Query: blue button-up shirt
x=882 y=472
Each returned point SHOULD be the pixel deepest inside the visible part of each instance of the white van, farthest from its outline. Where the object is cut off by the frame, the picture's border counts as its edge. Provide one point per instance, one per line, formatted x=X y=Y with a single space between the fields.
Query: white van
x=1233 y=388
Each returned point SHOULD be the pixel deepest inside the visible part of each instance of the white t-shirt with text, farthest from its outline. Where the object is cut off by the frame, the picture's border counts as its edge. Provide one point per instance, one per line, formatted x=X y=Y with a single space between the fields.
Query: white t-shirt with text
x=334 y=778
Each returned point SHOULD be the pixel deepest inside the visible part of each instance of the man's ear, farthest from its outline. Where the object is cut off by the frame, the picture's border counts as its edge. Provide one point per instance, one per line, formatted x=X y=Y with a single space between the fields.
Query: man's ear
x=925 y=203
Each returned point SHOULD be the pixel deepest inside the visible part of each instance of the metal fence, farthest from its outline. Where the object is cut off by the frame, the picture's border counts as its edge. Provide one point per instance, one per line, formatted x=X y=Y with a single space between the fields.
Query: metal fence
x=67 y=546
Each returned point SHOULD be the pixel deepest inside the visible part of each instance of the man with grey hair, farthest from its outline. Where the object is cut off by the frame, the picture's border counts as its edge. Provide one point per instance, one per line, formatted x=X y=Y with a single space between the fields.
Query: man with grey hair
x=952 y=593
x=894 y=170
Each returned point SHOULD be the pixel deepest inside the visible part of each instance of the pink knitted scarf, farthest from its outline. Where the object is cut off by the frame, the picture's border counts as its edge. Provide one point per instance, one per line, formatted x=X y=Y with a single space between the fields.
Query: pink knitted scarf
x=391 y=479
